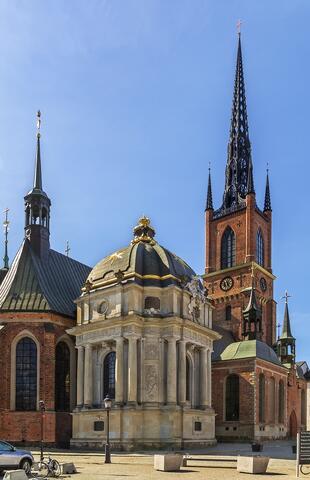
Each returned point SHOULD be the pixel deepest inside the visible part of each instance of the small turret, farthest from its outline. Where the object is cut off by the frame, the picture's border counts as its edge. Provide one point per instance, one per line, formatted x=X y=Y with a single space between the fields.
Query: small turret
x=286 y=342
x=252 y=316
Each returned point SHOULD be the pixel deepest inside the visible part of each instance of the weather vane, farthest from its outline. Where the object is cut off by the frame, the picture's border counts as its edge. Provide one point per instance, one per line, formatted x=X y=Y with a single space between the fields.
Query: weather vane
x=239 y=23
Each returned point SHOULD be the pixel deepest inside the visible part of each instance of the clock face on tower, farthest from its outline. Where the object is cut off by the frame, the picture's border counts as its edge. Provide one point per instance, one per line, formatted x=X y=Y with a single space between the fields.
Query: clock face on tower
x=226 y=284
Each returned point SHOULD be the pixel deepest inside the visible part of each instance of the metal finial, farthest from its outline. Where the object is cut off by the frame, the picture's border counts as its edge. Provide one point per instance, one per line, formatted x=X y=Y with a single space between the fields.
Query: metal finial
x=38 y=123
x=239 y=23
x=68 y=249
x=286 y=296
x=278 y=327
x=6 y=224
x=267 y=168
x=209 y=167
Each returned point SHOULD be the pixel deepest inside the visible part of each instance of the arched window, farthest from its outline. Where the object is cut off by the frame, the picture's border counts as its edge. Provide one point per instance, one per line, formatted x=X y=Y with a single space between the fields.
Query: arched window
x=62 y=378
x=228 y=248
x=188 y=380
x=232 y=398
x=228 y=313
x=281 y=401
x=26 y=375
x=272 y=396
x=260 y=248
x=109 y=375
x=261 y=399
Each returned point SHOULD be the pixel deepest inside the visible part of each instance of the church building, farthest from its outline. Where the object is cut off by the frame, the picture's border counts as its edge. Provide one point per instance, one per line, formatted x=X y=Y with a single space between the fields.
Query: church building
x=259 y=391
x=37 y=356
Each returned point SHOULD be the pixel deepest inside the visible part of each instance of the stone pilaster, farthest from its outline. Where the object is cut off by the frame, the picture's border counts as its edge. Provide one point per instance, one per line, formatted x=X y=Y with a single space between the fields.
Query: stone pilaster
x=80 y=378
x=204 y=378
x=182 y=372
x=132 y=370
x=172 y=372
x=88 y=377
x=119 y=371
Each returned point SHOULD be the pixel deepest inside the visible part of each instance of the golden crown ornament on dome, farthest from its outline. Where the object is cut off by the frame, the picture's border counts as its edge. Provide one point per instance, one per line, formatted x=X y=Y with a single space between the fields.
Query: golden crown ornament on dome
x=143 y=232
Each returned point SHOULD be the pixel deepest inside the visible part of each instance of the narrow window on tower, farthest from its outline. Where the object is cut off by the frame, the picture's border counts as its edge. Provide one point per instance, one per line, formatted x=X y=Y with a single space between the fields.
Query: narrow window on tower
x=261 y=405
x=109 y=375
x=232 y=398
x=260 y=248
x=228 y=248
x=228 y=313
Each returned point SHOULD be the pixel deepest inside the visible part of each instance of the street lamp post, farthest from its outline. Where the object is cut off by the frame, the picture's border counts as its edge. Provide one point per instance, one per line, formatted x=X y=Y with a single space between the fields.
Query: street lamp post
x=107 y=405
x=42 y=410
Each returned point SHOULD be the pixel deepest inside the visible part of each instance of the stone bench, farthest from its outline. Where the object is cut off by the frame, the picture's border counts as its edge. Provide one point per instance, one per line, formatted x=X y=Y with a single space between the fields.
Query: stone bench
x=168 y=463
x=15 y=475
x=253 y=464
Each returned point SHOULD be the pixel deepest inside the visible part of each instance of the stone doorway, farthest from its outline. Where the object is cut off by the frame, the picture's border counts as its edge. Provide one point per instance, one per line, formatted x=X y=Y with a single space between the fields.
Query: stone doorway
x=293 y=425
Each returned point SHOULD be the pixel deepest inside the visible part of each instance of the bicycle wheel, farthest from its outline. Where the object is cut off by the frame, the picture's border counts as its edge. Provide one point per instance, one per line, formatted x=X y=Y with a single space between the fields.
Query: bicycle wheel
x=305 y=466
x=40 y=468
x=55 y=468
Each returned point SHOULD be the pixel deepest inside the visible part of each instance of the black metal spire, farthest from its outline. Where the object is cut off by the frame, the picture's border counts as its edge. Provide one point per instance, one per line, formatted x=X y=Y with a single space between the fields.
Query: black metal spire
x=209 y=203
x=286 y=342
x=239 y=148
x=267 y=204
x=37 y=184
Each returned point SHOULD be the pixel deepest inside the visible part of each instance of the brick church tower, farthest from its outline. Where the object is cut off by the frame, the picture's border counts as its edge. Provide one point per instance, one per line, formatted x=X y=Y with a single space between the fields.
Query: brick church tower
x=258 y=390
x=238 y=234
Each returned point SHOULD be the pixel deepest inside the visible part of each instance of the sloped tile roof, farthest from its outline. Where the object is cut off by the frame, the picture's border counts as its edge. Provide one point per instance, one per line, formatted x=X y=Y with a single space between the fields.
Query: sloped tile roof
x=33 y=284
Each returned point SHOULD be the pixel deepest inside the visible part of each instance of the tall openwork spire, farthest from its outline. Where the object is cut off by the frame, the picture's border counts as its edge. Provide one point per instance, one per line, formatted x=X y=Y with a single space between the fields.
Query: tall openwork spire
x=209 y=203
x=239 y=148
x=267 y=203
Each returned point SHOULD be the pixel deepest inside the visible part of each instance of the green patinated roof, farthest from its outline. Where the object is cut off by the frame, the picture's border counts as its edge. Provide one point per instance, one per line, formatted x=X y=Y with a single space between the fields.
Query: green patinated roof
x=35 y=284
x=250 y=349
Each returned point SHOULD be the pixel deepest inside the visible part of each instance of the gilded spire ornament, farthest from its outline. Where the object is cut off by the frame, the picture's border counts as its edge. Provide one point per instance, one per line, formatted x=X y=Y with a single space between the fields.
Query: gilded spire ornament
x=143 y=232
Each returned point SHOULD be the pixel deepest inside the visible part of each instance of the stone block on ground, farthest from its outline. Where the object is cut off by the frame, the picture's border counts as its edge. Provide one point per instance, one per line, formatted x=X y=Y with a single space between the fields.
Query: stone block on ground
x=168 y=463
x=68 y=468
x=15 y=475
x=253 y=464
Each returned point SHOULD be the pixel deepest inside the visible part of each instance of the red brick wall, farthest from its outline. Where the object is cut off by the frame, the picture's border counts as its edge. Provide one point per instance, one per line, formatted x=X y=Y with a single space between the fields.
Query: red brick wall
x=25 y=426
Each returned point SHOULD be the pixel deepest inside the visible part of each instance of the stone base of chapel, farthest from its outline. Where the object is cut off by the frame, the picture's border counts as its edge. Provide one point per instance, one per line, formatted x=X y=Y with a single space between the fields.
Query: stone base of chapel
x=145 y=428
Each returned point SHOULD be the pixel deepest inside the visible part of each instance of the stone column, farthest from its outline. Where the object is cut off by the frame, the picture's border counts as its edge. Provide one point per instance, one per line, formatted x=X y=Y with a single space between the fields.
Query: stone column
x=132 y=370
x=80 y=378
x=204 y=378
x=172 y=372
x=119 y=371
x=182 y=372
x=88 y=377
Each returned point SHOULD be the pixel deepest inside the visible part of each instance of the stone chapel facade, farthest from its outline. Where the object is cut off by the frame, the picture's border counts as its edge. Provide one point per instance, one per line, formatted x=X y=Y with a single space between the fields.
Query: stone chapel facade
x=259 y=391
x=144 y=337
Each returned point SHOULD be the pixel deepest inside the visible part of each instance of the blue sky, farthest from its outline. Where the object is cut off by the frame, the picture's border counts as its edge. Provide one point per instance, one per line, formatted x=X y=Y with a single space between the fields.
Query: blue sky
x=136 y=99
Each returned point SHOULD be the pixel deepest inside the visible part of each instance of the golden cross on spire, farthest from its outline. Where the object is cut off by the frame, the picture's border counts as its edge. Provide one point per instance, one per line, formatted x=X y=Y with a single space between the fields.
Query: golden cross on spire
x=239 y=23
x=286 y=296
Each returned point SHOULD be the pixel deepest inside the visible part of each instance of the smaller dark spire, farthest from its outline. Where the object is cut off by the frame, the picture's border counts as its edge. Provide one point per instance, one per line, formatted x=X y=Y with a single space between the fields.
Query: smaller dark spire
x=37 y=183
x=267 y=204
x=209 y=204
x=250 y=183
x=286 y=328
x=252 y=315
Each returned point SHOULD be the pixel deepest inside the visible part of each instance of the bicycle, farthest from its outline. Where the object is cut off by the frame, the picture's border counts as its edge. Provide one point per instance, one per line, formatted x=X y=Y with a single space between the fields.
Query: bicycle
x=47 y=468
